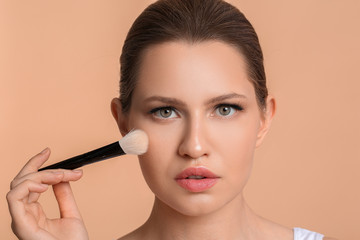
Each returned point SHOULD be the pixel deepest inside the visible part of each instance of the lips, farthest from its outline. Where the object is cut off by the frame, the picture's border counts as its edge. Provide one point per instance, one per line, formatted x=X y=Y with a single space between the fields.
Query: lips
x=196 y=179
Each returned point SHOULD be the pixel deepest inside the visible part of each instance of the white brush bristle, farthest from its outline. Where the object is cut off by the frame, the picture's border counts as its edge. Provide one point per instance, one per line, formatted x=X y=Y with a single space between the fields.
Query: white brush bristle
x=135 y=142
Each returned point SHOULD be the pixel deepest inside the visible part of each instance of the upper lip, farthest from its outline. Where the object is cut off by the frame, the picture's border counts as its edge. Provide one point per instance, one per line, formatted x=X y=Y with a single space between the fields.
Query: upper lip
x=196 y=171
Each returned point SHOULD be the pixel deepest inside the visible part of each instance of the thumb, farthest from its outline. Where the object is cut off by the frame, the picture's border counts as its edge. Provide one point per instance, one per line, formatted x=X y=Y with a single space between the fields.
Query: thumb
x=66 y=201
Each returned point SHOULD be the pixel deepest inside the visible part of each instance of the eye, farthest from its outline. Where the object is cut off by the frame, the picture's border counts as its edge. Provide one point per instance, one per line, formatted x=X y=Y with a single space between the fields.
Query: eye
x=164 y=112
x=226 y=110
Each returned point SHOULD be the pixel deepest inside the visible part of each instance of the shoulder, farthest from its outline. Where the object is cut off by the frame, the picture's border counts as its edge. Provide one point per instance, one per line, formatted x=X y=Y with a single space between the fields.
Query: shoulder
x=301 y=233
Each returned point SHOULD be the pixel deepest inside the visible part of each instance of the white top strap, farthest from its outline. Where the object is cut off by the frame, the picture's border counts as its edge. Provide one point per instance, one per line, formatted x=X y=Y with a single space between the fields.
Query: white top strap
x=303 y=234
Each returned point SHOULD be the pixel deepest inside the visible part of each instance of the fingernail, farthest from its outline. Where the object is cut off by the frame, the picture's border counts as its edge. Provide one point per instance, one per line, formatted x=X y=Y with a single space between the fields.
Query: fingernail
x=58 y=173
x=44 y=151
x=77 y=171
x=44 y=185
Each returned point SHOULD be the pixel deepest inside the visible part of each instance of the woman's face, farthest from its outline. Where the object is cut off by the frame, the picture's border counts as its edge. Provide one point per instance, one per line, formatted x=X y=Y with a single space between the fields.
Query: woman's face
x=199 y=109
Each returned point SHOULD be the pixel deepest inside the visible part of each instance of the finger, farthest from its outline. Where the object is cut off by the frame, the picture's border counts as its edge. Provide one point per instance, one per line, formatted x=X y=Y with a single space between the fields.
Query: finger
x=50 y=177
x=40 y=177
x=34 y=163
x=66 y=201
x=45 y=178
x=33 y=197
x=17 y=195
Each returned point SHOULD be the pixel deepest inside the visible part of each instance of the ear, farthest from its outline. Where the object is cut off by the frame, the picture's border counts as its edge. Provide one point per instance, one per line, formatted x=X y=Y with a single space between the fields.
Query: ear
x=267 y=116
x=119 y=116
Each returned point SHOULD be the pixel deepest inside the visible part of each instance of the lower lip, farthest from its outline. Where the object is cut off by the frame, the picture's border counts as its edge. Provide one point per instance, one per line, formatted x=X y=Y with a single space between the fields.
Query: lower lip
x=197 y=185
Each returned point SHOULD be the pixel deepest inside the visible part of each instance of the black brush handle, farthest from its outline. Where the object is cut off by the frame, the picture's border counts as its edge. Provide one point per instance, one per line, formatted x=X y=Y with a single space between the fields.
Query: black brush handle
x=106 y=152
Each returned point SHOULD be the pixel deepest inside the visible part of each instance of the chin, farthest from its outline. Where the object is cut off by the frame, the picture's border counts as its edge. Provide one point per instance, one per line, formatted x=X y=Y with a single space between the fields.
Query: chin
x=194 y=204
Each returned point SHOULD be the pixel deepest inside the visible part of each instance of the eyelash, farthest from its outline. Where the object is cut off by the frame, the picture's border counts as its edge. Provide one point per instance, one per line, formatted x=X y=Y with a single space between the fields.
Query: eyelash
x=152 y=111
x=235 y=107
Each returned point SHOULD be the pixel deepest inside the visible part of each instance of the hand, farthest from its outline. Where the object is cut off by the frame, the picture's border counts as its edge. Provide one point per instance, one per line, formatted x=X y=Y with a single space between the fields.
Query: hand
x=29 y=221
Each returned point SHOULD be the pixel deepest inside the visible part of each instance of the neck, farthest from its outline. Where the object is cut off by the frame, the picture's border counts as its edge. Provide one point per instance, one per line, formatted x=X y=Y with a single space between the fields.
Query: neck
x=235 y=220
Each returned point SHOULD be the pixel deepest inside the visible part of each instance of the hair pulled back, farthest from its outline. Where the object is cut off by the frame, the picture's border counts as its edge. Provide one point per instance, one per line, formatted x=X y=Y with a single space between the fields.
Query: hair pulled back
x=193 y=21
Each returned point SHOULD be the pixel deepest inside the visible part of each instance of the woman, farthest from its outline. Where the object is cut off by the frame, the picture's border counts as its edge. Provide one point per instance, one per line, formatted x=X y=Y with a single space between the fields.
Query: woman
x=192 y=78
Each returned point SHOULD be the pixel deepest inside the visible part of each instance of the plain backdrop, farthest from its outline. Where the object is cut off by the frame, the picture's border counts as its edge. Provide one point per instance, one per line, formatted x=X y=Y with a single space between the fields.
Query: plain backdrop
x=59 y=70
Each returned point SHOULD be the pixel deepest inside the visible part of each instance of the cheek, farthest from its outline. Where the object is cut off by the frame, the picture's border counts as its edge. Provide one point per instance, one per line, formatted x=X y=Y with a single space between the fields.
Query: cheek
x=158 y=161
x=237 y=137
x=236 y=144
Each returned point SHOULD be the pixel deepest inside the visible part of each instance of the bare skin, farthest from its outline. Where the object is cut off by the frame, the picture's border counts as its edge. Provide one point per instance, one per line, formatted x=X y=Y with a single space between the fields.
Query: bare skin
x=210 y=227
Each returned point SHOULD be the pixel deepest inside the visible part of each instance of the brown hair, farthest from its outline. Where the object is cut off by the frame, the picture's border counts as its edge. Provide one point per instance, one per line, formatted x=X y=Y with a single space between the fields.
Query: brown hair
x=192 y=21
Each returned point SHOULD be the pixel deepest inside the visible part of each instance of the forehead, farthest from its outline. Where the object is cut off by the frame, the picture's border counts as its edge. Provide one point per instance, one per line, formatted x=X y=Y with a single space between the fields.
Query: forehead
x=185 y=70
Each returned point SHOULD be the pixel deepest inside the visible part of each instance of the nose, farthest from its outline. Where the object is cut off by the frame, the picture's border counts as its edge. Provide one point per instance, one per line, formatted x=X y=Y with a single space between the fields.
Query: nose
x=193 y=144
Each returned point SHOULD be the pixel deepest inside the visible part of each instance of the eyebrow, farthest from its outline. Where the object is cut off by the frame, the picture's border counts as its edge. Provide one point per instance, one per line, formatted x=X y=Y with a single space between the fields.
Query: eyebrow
x=225 y=97
x=167 y=100
x=177 y=102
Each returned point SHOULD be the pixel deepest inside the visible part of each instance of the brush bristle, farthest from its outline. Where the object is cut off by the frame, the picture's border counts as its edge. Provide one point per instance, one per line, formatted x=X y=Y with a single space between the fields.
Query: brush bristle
x=135 y=142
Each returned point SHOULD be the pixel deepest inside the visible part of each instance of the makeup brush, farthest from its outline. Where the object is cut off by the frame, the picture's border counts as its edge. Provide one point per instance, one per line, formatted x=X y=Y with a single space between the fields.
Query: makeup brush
x=135 y=143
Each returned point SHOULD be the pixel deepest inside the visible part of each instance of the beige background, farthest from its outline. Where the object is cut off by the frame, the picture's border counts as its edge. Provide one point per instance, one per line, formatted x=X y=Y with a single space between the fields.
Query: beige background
x=59 y=71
